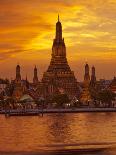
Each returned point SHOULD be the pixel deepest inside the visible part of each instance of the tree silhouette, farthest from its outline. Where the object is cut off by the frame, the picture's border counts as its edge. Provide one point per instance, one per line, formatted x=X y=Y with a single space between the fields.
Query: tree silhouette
x=60 y=99
x=106 y=97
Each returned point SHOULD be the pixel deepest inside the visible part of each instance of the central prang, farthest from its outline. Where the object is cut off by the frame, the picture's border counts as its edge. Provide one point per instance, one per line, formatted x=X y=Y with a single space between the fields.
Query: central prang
x=59 y=72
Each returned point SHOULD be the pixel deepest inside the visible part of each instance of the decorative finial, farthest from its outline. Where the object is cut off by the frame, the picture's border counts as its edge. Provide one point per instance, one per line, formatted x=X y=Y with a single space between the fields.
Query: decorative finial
x=58 y=18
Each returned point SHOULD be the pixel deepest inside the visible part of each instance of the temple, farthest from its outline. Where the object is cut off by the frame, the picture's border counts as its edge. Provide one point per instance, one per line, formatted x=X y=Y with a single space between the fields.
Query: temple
x=35 y=78
x=59 y=74
x=85 y=96
x=86 y=76
x=93 y=78
x=18 y=89
x=112 y=86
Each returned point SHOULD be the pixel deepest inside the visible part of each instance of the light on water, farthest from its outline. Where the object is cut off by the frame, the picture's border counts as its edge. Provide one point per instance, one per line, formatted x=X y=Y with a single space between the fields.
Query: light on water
x=58 y=131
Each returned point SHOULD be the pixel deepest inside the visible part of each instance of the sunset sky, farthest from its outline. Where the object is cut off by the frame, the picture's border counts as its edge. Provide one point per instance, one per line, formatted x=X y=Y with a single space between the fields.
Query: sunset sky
x=27 y=30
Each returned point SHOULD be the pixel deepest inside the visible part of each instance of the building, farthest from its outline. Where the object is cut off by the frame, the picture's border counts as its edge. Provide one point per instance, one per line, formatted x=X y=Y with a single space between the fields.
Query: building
x=112 y=86
x=59 y=76
x=35 y=78
x=85 y=95
x=86 y=76
x=19 y=85
x=18 y=89
x=103 y=84
x=3 y=85
x=93 y=78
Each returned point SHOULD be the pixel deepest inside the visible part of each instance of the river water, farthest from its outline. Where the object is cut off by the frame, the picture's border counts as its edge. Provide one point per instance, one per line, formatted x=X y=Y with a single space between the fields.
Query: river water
x=33 y=134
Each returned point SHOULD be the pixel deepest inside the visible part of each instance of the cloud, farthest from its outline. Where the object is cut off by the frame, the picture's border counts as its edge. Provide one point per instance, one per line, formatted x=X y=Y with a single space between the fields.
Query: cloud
x=28 y=27
x=6 y=55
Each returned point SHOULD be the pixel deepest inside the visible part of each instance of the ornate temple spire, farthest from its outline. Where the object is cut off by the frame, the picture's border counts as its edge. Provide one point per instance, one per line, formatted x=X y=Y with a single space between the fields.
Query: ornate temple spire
x=59 y=75
x=93 y=71
x=58 y=30
x=18 y=88
x=87 y=76
x=35 y=78
x=93 y=77
x=58 y=59
x=18 y=75
x=86 y=70
x=58 y=18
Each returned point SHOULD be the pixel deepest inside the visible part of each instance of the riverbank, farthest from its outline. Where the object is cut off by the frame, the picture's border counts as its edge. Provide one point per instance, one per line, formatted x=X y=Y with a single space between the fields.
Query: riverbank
x=31 y=112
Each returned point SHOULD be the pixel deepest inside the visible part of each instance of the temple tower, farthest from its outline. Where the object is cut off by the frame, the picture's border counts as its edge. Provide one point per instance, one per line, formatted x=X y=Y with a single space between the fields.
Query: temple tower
x=93 y=77
x=59 y=67
x=18 y=88
x=58 y=31
x=58 y=60
x=85 y=95
x=18 y=75
x=35 y=78
x=87 y=76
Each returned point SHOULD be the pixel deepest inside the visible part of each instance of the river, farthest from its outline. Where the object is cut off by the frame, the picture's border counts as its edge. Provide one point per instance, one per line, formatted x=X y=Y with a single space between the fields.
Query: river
x=34 y=134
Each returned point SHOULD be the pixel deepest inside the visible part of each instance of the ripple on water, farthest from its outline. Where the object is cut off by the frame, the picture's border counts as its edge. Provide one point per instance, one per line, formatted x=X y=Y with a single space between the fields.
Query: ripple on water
x=76 y=130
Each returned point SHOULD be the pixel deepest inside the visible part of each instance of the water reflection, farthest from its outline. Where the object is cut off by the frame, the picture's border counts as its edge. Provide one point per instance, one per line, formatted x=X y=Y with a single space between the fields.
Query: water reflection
x=58 y=131
x=59 y=128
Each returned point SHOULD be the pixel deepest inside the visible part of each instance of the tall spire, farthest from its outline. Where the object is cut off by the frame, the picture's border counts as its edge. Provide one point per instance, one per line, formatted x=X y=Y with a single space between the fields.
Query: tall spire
x=93 y=71
x=86 y=69
x=58 y=60
x=93 y=77
x=35 y=78
x=58 y=31
x=59 y=74
x=87 y=76
x=18 y=75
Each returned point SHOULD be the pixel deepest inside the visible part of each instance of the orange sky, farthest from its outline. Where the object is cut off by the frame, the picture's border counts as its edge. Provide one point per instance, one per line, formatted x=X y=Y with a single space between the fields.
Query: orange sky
x=27 y=29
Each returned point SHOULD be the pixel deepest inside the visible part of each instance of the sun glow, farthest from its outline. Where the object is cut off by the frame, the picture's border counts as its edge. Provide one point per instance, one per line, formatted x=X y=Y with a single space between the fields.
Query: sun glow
x=27 y=34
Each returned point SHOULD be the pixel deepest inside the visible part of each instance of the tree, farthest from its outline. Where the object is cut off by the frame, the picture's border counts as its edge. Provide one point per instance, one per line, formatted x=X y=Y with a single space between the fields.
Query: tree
x=106 y=97
x=60 y=99
x=9 y=90
x=94 y=93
